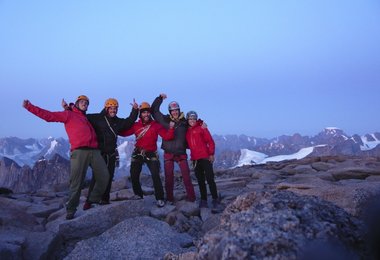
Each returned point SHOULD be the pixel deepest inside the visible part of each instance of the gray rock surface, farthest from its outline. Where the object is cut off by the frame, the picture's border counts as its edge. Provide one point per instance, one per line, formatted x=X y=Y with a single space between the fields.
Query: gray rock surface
x=278 y=225
x=134 y=238
x=281 y=210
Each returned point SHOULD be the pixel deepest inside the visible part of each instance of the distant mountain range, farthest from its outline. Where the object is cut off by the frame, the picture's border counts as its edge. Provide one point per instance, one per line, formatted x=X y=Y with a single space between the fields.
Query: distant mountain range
x=31 y=156
x=231 y=150
x=236 y=150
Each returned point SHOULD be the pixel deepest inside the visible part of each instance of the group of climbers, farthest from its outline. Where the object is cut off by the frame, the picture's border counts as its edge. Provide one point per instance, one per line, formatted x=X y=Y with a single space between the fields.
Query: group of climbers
x=93 y=140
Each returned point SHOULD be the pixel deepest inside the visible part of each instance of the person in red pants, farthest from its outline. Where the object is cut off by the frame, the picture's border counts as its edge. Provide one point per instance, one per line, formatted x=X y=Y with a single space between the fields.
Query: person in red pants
x=174 y=150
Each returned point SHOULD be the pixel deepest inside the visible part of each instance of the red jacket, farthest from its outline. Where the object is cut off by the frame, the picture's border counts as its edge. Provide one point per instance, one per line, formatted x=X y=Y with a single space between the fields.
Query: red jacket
x=148 y=141
x=78 y=128
x=200 y=142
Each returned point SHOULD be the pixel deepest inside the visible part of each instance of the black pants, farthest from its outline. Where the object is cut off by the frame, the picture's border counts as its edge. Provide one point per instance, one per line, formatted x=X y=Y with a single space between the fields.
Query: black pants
x=204 y=171
x=110 y=160
x=153 y=163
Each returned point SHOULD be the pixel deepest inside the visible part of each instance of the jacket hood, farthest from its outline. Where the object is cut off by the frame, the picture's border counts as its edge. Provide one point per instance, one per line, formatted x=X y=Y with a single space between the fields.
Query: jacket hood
x=199 y=122
x=181 y=117
x=77 y=110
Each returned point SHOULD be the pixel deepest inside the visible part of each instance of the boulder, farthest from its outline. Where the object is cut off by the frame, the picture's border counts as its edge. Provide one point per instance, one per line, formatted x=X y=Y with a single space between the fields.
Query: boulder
x=134 y=238
x=279 y=225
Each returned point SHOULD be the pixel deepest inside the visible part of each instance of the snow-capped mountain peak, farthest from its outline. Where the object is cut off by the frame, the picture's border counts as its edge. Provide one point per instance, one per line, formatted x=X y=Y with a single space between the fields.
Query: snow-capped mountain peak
x=231 y=150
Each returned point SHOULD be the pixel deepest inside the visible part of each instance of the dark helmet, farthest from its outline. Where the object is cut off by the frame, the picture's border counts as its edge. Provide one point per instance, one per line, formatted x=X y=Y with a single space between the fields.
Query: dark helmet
x=173 y=106
x=192 y=114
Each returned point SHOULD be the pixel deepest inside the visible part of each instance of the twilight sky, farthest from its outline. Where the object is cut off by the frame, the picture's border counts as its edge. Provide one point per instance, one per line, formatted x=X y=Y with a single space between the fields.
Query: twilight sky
x=260 y=68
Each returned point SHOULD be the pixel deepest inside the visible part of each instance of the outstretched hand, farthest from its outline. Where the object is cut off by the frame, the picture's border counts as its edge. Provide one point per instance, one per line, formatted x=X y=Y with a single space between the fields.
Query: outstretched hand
x=204 y=125
x=64 y=104
x=134 y=104
x=25 y=103
x=163 y=96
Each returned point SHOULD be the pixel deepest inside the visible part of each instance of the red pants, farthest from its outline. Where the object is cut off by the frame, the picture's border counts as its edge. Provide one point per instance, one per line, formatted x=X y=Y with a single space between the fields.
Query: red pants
x=169 y=175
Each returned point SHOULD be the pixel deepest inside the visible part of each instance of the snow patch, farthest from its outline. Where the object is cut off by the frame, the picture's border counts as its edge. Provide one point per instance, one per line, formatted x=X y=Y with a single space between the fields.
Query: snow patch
x=53 y=144
x=249 y=157
x=369 y=145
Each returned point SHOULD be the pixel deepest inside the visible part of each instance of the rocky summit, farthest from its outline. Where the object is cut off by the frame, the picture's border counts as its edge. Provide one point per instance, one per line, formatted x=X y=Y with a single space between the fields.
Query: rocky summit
x=323 y=207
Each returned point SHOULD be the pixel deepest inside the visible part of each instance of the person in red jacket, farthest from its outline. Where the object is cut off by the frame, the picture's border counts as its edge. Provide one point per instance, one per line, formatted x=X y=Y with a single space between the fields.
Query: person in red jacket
x=83 y=147
x=202 y=150
x=147 y=131
x=107 y=125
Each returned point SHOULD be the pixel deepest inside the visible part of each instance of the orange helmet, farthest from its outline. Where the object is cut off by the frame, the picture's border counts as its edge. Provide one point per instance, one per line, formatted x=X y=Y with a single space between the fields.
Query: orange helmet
x=111 y=102
x=144 y=106
x=82 y=97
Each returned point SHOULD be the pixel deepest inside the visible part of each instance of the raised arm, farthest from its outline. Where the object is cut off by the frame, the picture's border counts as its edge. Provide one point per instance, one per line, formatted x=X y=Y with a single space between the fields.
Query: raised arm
x=45 y=114
x=156 y=113
x=66 y=106
x=129 y=121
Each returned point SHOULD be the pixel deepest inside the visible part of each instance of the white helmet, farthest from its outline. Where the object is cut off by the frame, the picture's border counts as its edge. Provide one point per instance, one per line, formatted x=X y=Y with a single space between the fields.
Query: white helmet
x=173 y=106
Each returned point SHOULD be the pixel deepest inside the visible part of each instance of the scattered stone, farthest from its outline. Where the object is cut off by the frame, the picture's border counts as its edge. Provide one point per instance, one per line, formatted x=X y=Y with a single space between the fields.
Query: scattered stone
x=281 y=210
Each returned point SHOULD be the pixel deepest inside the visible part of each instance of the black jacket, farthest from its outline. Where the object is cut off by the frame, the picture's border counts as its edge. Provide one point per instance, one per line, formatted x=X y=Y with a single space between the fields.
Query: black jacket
x=178 y=145
x=106 y=138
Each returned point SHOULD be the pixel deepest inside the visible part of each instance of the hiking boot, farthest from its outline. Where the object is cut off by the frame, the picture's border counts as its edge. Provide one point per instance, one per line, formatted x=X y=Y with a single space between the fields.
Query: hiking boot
x=216 y=206
x=70 y=215
x=136 y=197
x=87 y=205
x=203 y=204
x=190 y=199
x=170 y=201
x=104 y=202
x=160 y=203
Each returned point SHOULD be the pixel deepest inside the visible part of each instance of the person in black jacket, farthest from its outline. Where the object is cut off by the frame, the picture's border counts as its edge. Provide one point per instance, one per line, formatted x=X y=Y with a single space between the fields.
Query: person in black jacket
x=174 y=150
x=107 y=126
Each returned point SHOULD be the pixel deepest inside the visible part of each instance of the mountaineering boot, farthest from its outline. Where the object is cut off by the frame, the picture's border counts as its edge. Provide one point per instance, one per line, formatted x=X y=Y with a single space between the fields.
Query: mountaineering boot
x=203 y=204
x=87 y=205
x=70 y=215
x=136 y=197
x=216 y=206
x=160 y=203
x=104 y=202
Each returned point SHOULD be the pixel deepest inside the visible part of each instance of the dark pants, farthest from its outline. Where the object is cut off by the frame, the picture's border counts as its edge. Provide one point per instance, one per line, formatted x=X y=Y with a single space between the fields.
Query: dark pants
x=169 y=175
x=204 y=171
x=110 y=160
x=153 y=163
x=80 y=160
